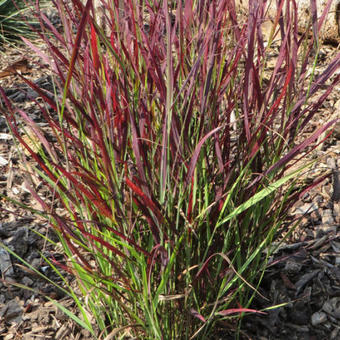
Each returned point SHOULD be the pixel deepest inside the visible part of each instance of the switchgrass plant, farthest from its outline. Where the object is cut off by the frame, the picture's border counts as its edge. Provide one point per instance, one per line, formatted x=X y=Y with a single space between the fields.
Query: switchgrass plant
x=172 y=156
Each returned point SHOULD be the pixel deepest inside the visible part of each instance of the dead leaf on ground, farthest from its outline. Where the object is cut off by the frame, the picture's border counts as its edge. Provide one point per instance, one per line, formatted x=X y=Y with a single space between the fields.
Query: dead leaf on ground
x=20 y=66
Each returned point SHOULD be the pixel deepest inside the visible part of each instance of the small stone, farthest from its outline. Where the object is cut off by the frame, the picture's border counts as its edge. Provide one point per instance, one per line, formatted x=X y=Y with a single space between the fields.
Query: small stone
x=292 y=267
x=20 y=241
x=33 y=254
x=27 y=281
x=36 y=263
x=318 y=318
x=6 y=267
x=328 y=307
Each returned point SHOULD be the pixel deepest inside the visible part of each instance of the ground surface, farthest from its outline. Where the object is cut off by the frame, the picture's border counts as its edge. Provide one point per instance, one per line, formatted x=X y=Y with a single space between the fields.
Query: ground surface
x=304 y=272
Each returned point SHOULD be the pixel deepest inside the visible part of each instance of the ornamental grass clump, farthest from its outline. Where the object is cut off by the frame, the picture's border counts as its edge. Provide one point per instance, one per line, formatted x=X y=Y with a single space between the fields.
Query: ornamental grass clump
x=172 y=157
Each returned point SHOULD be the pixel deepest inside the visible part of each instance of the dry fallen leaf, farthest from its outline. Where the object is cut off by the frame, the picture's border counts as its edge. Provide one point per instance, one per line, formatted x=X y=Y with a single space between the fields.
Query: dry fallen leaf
x=19 y=66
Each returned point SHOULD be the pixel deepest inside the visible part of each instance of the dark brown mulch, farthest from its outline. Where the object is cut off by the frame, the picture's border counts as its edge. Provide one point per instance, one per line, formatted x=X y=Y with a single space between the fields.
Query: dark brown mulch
x=303 y=275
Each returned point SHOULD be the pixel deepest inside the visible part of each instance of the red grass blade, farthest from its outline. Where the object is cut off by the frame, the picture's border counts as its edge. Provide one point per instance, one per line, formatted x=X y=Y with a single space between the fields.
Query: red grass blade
x=197 y=315
x=196 y=154
x=239 y=311
x=147 y=201
x=94 y=48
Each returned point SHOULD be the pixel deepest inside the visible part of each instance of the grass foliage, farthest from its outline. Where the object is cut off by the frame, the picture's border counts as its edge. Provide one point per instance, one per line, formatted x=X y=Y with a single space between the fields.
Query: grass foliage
x=172 y=157
x=15 y=20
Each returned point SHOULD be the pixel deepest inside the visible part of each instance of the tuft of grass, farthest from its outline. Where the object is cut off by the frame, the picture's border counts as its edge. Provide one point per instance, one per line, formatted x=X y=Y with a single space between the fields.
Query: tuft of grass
x=172 y=158
x=17 y=20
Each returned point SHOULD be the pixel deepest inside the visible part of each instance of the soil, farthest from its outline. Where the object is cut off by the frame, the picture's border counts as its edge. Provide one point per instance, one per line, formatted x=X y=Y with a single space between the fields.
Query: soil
x=303 y=275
